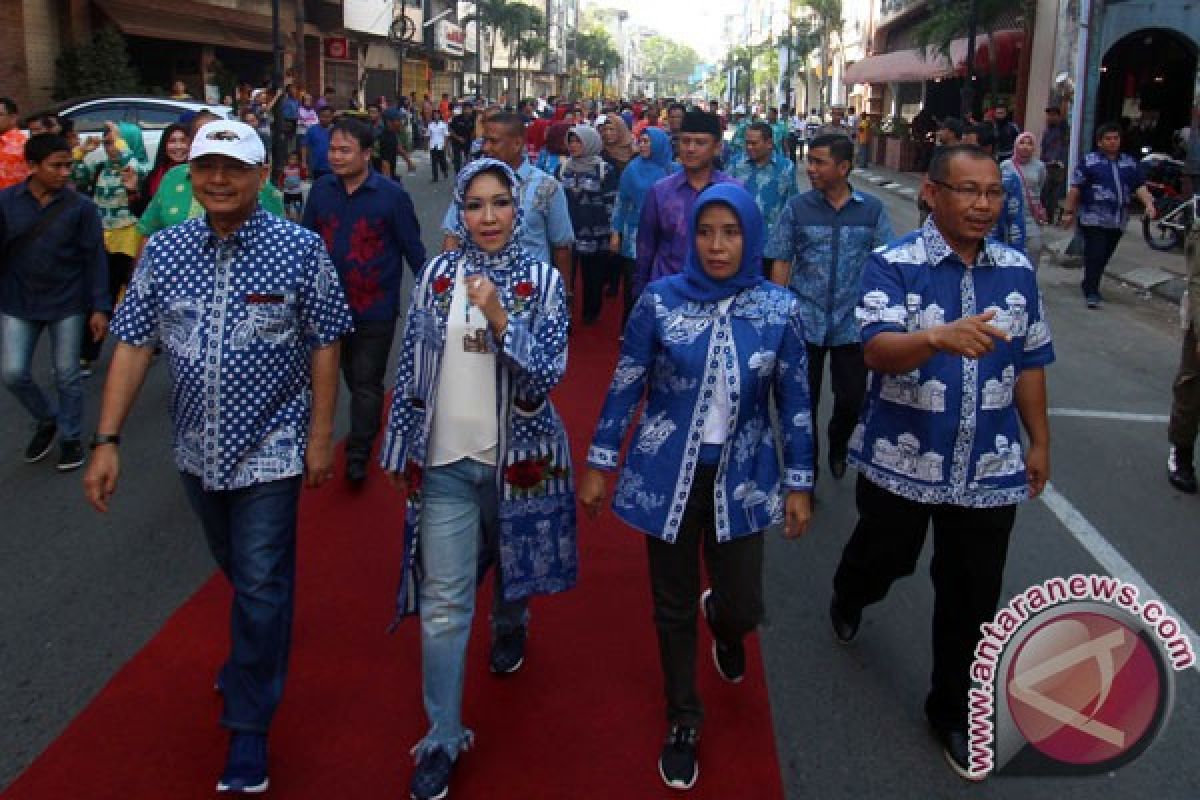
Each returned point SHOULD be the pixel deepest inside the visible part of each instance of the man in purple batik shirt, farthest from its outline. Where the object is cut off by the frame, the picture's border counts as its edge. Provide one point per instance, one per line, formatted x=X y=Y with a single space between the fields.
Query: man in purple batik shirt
x=662 y=239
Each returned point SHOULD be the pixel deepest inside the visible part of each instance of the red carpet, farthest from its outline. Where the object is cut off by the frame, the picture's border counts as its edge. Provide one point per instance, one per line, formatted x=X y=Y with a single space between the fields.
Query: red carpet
x=582 y=719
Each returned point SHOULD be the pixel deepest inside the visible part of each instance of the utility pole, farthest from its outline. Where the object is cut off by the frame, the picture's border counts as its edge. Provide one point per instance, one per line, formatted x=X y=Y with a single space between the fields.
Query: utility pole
x=278 y=145
x=968 y=91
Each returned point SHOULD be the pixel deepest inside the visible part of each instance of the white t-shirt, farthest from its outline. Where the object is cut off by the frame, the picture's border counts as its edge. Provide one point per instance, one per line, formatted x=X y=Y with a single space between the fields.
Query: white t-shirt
x=716 y=421
x=464 y=419
x=438 y=131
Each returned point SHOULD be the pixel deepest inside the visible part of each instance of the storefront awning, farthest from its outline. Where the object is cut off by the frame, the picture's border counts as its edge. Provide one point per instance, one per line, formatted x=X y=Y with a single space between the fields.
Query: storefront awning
x=907 y=66
x=189 y=21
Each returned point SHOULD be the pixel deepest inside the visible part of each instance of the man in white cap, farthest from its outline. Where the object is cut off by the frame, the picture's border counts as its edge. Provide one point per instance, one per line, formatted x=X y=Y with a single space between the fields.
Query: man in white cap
x=249 y=310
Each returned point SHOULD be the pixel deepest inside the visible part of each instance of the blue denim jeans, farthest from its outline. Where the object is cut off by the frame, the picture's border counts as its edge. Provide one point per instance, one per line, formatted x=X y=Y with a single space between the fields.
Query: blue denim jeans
x=458 y=512
x=18 y=339
x=251 y=533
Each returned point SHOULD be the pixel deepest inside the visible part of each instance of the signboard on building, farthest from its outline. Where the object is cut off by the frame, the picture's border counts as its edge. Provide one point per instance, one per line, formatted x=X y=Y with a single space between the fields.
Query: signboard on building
x=337 y=48
x=448 y=38
x=376 y=16
x=467 y=10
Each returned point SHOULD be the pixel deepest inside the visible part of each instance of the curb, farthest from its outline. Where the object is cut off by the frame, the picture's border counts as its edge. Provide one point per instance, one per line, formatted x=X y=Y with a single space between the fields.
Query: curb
x=1148 y=280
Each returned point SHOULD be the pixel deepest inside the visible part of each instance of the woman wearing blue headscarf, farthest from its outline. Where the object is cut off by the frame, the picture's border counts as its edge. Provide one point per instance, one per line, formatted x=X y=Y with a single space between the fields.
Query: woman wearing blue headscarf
x=652 y=164
x=480 y=452
x=706 y=348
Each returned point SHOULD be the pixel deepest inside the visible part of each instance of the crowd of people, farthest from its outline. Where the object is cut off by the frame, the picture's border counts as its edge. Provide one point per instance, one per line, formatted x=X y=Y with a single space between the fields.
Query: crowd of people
x=735 y=286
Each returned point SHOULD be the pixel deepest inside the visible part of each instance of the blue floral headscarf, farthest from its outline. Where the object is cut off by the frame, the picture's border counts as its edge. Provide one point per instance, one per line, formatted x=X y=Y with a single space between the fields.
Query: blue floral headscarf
x=475 y=255
x=697 y=285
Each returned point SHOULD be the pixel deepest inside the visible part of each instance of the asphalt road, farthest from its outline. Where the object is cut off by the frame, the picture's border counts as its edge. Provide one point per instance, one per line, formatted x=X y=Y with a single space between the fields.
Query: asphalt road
x=82 y=593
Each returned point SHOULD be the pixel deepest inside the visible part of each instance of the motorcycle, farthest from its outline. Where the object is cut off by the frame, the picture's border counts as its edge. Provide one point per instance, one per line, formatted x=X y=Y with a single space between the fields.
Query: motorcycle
x=1163 y=178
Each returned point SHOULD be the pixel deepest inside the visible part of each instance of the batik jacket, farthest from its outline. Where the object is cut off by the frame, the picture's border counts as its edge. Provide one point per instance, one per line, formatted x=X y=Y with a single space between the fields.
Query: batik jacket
x=672 y=353
x=535 y=482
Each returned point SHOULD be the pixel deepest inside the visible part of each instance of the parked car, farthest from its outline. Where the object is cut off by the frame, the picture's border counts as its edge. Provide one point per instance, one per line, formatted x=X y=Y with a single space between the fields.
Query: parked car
x=152 y=114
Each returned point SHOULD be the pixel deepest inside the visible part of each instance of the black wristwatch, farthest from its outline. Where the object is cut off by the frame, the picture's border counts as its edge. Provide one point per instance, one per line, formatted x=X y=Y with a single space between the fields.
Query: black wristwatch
x=104 y=438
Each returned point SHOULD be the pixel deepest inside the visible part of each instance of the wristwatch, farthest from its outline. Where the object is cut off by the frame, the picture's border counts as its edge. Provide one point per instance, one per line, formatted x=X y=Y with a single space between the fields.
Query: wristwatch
x=104 y=438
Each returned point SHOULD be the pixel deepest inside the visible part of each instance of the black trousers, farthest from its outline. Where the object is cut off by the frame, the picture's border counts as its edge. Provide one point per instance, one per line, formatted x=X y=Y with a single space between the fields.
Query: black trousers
x=596 y=268
x=459 y=153
x=364 y=363
x=970 y=546
x=1185 y=404
x=735 y=574
x=437 y=157
x=625 y=267
x=848 y=377
x=120 y=269
x=1099 y=244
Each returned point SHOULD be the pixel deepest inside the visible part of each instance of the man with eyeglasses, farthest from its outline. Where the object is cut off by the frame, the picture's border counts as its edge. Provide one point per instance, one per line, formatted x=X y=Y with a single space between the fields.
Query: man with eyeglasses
x=954 y=336
x=250 y=312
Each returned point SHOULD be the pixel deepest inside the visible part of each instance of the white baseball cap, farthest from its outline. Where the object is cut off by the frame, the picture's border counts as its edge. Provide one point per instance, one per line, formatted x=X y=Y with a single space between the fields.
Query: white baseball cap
x=230 y=138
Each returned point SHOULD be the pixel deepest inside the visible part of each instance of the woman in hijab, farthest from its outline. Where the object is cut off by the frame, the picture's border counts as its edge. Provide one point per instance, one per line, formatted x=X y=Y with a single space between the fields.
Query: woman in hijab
x=652 y=164
x=618 y=142
x=555 y=150
x=1027 y=175
x=590 y=184
x=482 y=455
x=706 y=348
x=115 y=184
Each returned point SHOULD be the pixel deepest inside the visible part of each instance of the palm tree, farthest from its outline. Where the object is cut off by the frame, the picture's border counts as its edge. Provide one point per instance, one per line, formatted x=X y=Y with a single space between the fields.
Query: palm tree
x=520 y=21
x=829 y=24
x=496 y=17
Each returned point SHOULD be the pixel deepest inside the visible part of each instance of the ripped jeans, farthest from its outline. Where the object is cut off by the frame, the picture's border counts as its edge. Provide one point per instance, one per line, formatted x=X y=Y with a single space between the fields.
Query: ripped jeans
x=458 y=507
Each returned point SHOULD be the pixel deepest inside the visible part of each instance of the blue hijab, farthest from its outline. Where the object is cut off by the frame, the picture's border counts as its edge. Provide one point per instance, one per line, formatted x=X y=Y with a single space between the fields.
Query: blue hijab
x=697 y=285
x=512 y=250
x=640 y=174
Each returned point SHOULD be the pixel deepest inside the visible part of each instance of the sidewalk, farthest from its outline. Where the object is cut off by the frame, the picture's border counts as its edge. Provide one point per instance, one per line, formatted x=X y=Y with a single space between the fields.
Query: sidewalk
x=1161 y=274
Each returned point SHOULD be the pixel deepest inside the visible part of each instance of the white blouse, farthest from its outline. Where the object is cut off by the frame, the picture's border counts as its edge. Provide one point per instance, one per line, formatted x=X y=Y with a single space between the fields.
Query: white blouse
x=464 y=419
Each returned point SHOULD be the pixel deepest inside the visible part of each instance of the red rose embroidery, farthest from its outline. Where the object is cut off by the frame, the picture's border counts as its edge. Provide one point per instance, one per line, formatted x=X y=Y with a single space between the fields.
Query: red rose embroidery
x=327 y=227
x=527 y=474
x=363 y=289
x=413 y=476
x=442 y=285
x=523 y=289
x=366 y=242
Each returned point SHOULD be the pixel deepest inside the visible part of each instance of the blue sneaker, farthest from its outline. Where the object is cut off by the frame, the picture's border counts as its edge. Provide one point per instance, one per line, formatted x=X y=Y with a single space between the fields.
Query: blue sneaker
x=246 y=767
x=431 y=780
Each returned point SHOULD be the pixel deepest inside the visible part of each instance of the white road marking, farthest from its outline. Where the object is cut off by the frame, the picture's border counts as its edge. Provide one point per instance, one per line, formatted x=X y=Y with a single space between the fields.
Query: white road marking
x=1122 y=416
x=1112 y=561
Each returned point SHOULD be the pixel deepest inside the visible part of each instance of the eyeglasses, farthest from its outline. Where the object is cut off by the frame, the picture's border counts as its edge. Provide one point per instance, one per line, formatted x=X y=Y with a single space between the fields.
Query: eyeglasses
x=971 y=193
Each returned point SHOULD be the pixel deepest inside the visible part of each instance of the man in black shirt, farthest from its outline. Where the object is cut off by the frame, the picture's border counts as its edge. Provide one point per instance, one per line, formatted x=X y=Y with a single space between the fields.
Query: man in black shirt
x=390 y=146
x=462 y=131
x=54 y=279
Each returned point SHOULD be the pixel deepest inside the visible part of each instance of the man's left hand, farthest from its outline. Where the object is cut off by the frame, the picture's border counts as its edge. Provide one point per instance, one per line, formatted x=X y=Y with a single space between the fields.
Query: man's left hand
x=1037 y=468
x=318 y=461
x=98 y=325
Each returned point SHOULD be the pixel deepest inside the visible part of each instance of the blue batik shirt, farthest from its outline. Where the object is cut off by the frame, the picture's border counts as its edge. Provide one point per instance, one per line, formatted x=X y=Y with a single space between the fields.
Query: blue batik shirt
x=547 y=220
x=827 y=248
x=238 y=319
x=948 y=431
x=772 y=185
x=1105 y=188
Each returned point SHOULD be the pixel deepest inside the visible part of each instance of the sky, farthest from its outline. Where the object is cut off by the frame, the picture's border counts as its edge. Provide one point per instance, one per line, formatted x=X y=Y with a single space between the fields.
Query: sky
x=694 y=22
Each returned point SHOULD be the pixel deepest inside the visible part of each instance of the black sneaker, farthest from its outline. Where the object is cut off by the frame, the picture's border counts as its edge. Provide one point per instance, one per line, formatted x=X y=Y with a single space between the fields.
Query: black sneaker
x=845 y=622
x=70 y=456
x=246 y=767
x=956 y=749
x=730 y=659
x=356 y=471
x=677 y=763
x=42 y=441
x=508 y=652
x=431 y=779
x=1180 y=472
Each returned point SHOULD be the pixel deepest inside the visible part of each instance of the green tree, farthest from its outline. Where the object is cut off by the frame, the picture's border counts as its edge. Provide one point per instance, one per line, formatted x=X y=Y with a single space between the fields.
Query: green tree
x=670 y=64
x=948 y=20
x=499 y=19
x=596 y=55
x=100 y=66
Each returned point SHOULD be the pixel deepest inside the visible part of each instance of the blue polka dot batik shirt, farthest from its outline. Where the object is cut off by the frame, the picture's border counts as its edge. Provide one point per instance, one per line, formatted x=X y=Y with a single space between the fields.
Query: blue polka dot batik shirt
x=238 y=319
